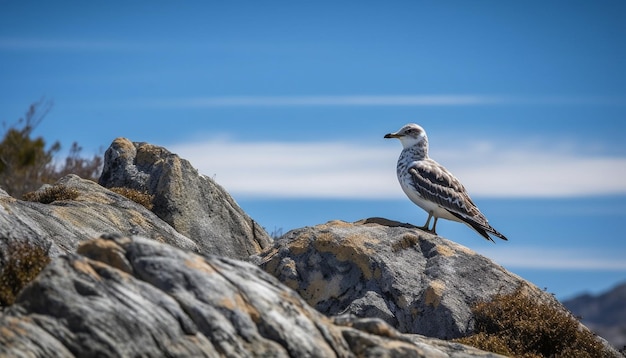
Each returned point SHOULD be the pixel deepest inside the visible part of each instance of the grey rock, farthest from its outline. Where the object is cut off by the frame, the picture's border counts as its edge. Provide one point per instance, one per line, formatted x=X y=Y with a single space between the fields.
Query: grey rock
x=61 y=225
x=130 y=297
x=416 y=282
x=428 y=347
x=193 y=204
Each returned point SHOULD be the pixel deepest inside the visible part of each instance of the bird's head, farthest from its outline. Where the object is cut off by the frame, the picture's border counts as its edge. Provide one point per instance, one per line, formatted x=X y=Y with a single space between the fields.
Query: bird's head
x=410 y=135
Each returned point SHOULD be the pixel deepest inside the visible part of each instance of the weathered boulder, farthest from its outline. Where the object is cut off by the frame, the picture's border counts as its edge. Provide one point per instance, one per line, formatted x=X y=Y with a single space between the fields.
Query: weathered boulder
x=193 y=204
x=130 y=297
x=415 y=281
x=93 y=210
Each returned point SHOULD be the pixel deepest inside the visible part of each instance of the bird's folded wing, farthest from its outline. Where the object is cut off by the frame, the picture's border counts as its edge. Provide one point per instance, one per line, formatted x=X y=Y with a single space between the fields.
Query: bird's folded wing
x=438 y=185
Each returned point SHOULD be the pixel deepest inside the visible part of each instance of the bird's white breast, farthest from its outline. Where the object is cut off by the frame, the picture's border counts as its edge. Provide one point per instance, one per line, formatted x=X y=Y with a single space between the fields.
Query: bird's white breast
x=406 y=182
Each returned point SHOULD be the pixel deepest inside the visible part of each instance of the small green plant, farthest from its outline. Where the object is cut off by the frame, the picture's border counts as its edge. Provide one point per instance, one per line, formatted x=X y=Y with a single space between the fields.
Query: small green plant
x=516 y=325
x=140 y=197
x=22 y=263
x=51 y=194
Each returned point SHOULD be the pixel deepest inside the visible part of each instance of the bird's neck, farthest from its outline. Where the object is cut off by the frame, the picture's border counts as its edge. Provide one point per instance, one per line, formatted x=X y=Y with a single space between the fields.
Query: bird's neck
x=415 y=152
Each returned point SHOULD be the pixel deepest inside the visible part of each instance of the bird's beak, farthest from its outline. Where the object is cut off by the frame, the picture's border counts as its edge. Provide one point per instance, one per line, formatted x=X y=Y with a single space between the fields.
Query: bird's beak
x=393 y=135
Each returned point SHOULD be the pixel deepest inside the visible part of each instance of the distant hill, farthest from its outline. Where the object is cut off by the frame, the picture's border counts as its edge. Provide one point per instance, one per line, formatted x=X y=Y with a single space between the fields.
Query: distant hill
x=605 y=314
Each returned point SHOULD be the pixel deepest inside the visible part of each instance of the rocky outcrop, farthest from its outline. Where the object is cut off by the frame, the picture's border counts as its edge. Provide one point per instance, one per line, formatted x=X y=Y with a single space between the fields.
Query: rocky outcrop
x=129 y=297
x=191 y=203
x=148 y=288
x=93 y=210
x=190 y=211
x=417 y=282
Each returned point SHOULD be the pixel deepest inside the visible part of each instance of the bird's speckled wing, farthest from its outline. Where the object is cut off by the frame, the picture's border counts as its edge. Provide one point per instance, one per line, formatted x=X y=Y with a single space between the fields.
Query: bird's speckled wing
x=435 y=183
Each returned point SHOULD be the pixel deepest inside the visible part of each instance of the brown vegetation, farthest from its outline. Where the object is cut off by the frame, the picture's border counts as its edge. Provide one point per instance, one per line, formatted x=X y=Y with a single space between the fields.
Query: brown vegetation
x=516 y=325
x=22 y=263
x=51 y=194
x=143 y=198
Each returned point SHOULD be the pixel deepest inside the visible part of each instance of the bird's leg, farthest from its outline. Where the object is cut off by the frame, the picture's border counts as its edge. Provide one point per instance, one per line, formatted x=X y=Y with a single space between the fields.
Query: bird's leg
x=434 y=226
x=425 y=226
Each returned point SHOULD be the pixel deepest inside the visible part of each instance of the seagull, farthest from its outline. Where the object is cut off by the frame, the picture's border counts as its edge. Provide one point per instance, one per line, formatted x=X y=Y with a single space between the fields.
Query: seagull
x=432 y=187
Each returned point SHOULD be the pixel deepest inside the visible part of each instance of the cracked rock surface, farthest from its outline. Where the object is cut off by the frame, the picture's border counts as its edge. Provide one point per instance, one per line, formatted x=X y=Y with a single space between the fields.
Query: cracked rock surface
x=415 y=281
x=127 y=297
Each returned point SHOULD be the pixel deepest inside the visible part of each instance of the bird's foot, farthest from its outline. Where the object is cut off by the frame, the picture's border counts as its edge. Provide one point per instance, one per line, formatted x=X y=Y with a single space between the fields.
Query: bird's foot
x=427 y=229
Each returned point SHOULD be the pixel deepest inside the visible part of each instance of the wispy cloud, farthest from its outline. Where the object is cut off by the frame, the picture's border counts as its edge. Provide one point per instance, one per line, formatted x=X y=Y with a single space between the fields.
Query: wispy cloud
x=41 y=44
x=525 y=170
x=377 y=100
x=277 y=169
x=554 y=259
x=348 y=170
x=348 y=100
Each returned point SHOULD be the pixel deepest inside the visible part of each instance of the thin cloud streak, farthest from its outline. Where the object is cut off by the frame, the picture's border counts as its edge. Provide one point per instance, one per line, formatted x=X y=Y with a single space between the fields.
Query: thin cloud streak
x=347 y=170
x=37 y=44
x=373 y=100
x=553 y=259
x=352 y=100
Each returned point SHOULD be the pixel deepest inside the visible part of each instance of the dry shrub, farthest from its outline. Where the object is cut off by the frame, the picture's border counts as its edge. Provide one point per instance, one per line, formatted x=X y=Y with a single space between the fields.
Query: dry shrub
x=23 y=262
x=516 y=325
x=140 y=197
x=51 y=194
x=27 y=163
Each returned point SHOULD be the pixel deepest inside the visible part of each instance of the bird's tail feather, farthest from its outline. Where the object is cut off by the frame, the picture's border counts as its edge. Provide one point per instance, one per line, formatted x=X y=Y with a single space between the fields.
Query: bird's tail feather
x=482 y=229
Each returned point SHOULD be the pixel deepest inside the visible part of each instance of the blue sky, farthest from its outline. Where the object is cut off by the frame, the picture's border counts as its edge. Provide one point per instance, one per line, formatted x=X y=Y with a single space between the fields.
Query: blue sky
x=285 y=104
